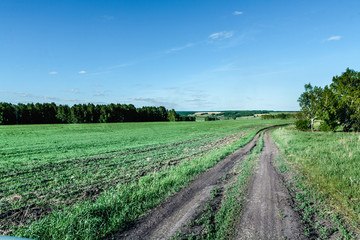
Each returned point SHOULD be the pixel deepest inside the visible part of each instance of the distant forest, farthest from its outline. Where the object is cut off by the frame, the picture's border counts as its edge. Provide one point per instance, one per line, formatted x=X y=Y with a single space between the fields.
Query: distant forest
x=50 y=113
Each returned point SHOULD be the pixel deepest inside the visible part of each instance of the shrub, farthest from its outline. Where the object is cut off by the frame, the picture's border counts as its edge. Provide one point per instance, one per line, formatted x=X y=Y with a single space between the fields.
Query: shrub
x=326 y=127
x=303 y=124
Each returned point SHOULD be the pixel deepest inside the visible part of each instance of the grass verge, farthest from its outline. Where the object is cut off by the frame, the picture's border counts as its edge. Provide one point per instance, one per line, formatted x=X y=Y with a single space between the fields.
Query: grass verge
x=317 y=182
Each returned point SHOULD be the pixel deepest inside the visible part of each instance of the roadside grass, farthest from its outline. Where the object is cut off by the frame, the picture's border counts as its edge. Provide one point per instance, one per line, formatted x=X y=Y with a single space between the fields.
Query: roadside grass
x=116 y=209
x=222 y=213
x=325 y=169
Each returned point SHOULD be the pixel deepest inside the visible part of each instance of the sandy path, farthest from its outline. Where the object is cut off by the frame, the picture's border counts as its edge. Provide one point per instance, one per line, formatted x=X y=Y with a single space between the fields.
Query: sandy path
x=164 y=221
x=268 y=213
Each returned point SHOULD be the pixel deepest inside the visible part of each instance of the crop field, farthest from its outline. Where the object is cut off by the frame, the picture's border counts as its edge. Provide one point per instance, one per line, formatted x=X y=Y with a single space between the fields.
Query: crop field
x=53 y=176
x=330 y=165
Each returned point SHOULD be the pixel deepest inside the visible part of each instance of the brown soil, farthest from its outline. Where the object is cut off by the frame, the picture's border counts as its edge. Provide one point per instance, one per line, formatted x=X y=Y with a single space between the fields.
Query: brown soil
x=268 y=213
x=164 y=221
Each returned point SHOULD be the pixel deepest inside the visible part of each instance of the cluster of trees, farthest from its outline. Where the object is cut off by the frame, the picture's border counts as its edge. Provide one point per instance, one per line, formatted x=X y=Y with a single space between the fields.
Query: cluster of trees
x=174 y=116
x=49 y=113
x=336 y=105
x=236 y=114
x=208 y=118
x=277 y=116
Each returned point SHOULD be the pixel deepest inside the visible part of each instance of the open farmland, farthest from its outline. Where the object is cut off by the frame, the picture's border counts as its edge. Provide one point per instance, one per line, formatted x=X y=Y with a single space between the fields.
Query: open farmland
x=50 y=173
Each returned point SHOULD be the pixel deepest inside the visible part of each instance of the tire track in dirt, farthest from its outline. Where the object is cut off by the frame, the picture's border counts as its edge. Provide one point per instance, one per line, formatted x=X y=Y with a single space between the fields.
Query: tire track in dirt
x=164 y=221
x=268 y=212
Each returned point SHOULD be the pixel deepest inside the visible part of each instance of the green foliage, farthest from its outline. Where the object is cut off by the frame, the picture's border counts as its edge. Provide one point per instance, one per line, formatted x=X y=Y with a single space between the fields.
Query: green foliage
x=211 y=118
x=346 y=88
x=325 y=127
x=49 y=113
x=303 y=124
x=236 y=114
x=278 y=116
x=336 y=105
x=310 y=103
x=172 y=116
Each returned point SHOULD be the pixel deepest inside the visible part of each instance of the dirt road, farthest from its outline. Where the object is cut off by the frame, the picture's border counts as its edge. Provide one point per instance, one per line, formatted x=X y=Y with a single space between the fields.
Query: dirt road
x=166 y=220
x=267 y=213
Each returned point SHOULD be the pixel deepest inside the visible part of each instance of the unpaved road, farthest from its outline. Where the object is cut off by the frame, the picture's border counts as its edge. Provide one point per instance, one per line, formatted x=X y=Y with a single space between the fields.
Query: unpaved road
x=267 y=213
x=166 y=220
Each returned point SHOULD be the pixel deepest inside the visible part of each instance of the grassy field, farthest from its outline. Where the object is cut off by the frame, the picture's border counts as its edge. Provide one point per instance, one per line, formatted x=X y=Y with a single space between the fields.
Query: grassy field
x=329 y=163
x=85 y=181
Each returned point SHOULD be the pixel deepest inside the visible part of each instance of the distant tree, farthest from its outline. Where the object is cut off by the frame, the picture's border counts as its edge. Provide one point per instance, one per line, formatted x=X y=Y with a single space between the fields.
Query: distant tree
x=310 y=102
x=210 y=119
x=172 y=115
x=7 y=114
x=63 y=114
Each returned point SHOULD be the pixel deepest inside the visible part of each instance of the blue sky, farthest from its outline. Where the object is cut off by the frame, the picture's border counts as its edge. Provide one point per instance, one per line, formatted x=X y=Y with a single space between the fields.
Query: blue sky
x=187 y=55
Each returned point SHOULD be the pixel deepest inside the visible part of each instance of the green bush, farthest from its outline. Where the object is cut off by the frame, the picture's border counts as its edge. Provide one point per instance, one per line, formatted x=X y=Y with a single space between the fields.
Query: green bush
x=326 y=127
x=303 y=124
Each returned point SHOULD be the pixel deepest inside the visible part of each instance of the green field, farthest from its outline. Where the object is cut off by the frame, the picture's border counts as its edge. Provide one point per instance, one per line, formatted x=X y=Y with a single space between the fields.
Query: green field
x=55 y=179
x=330 y=163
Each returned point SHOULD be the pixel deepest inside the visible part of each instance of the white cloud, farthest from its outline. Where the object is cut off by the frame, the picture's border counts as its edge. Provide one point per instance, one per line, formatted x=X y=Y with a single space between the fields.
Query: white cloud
x=222 y=35
x=53 y=73
x=237 y=13
x=334 y=38
x=180 y=48
x=82 y=72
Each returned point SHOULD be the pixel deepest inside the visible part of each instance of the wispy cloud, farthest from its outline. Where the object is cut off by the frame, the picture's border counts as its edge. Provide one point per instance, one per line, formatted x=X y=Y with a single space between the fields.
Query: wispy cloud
x=100 y=93
x=53 y=73
x=334 y=38
x=221 y=35
x=179 y=48
x=76 y=91
x=43 y=97
x=237 y=13
x=122 y=65
x=82 y=72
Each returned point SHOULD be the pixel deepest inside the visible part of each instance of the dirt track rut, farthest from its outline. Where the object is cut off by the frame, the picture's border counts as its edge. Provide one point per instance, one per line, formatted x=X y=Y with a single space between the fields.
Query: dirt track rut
x=268 y=213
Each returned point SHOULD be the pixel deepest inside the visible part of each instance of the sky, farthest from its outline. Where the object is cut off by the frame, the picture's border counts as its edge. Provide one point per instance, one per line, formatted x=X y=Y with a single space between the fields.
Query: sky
x=184 y=54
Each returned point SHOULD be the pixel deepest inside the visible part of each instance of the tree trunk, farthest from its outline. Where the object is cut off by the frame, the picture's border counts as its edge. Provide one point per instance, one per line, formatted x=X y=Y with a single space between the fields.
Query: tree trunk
x=312 y=124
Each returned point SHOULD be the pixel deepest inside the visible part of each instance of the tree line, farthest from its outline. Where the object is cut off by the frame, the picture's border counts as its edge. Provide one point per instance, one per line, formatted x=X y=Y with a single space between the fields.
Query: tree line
x=336 y=105
x=277 y=116
x=50 y=113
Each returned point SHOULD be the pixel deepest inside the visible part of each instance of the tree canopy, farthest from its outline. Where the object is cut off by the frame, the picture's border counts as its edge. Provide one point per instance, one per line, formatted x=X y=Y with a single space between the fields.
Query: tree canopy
x=336 y=105
x=49 y=113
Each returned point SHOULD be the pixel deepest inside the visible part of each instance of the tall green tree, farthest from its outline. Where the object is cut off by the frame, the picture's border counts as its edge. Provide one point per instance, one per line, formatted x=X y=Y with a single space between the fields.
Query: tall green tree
x=310 y=102
x=346 y=88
